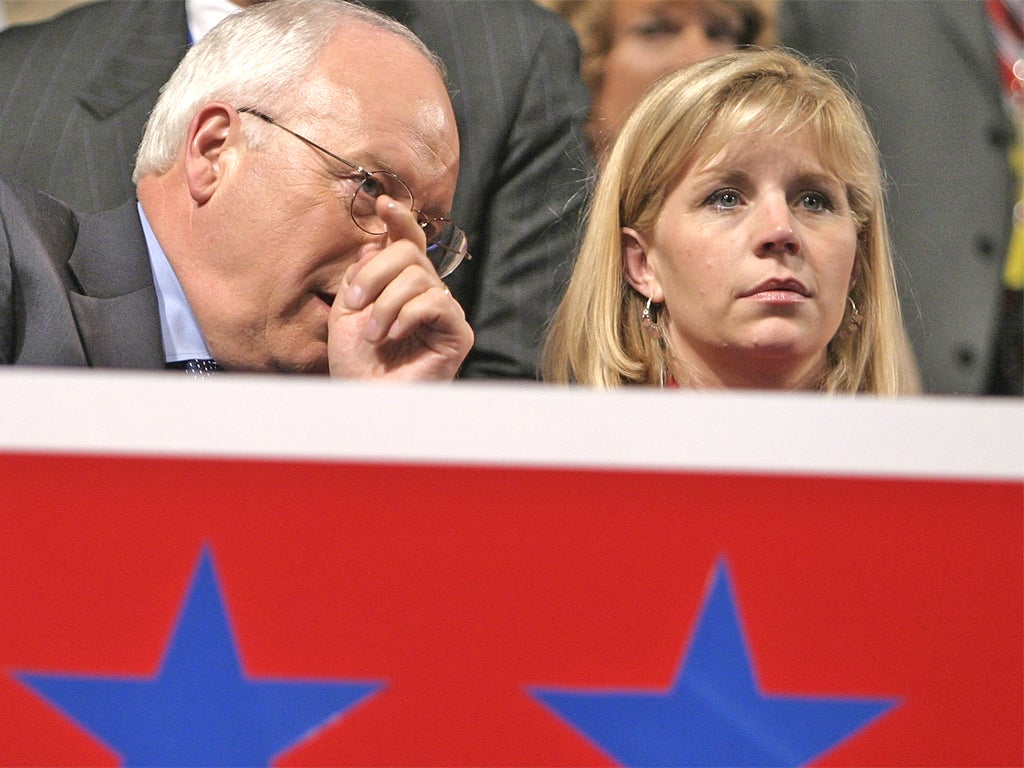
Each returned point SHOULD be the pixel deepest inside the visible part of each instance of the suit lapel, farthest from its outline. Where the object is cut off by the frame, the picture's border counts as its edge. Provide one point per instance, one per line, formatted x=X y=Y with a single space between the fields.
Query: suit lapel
x=116 y=312
x=156 y=38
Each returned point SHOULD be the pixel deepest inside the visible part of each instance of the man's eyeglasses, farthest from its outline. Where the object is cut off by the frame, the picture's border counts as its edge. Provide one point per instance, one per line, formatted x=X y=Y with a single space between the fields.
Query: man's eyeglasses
x=447 y=245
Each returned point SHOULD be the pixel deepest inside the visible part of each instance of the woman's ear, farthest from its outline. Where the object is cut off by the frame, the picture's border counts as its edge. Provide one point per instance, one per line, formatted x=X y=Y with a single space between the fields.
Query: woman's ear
x=854 y=274
x=212 y=136
x=640 y=270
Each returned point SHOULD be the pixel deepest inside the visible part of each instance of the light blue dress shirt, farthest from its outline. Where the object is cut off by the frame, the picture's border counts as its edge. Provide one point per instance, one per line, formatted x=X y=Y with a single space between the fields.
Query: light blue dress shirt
x=181 y=335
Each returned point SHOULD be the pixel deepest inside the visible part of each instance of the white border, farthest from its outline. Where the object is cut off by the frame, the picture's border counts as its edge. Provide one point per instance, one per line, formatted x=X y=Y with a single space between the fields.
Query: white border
x=533 y=425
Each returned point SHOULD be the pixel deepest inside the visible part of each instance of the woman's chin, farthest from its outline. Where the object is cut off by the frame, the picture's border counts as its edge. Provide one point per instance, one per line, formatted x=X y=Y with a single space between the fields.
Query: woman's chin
x=779 y=337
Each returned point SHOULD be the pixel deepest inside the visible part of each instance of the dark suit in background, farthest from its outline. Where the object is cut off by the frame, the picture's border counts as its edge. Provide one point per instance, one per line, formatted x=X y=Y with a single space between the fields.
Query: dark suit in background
x=75 y=92
x=926 y=72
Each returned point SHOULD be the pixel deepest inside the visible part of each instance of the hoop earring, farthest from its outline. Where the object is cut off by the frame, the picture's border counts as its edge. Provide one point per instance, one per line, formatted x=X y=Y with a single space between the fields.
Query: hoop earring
x=649 y=321
x=856 y=318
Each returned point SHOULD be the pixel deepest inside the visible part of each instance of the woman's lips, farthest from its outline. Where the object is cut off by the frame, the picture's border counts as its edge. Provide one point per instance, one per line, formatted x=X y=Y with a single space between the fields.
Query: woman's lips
x=778 y=292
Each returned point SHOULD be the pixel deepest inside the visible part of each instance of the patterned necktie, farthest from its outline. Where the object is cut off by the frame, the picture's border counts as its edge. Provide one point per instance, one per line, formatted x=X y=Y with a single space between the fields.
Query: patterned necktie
x=196 y=367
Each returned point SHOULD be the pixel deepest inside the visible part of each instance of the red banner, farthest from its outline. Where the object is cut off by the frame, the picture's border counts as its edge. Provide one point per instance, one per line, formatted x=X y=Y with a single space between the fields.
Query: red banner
x=436 y=614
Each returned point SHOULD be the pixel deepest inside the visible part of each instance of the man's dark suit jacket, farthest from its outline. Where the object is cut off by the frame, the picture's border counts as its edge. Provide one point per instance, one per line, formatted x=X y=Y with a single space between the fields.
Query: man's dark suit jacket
x=75 y=92
x=74 y=290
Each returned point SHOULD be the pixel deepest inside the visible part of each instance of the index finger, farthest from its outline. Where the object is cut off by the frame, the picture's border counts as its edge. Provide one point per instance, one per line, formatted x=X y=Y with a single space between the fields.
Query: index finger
x=400 y=221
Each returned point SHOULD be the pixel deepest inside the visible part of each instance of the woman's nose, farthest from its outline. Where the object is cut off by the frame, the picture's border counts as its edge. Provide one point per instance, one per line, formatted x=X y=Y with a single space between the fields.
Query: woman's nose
x=775 y=233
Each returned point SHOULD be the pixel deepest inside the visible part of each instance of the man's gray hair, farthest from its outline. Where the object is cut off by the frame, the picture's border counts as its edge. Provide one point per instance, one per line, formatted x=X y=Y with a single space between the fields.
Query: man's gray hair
x=255 y=57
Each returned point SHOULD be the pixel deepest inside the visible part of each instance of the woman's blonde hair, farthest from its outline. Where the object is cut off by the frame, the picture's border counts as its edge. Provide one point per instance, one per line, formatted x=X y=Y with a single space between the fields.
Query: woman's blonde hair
x=596 y=336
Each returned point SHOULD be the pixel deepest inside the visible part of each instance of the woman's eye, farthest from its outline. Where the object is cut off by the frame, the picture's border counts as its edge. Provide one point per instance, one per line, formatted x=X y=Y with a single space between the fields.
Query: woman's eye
x=723 y=198
x=656 y=28
x=720 y=30
x=815 y=201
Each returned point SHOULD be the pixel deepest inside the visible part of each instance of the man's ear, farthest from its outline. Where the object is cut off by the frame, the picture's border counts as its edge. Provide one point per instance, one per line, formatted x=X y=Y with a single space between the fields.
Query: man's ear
x=640 y=271
x=213 y=134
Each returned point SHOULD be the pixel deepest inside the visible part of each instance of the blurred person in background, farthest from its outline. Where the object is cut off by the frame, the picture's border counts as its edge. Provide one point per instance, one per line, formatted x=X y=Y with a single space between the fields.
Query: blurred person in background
x=628 y=44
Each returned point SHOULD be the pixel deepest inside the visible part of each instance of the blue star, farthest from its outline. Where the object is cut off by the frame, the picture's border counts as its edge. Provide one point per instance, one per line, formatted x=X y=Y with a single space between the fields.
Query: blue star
x=200 y=709
x=714 y=713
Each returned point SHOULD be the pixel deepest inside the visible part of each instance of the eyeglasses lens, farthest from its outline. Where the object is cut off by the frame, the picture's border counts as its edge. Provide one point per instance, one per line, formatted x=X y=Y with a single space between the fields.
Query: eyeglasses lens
x=446 y=246
x=446 y=243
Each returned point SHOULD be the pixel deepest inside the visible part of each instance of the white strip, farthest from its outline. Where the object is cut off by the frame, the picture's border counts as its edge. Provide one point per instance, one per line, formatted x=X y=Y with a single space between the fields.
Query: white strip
x=170 y=414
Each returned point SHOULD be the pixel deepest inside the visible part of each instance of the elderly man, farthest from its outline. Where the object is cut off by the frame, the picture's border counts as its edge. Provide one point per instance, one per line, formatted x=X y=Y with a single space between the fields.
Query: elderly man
x=292 y=178
x=75 y=92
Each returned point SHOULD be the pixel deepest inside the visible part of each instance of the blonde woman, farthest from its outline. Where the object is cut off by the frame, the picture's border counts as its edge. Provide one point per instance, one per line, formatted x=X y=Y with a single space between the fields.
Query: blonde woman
x=737 y=239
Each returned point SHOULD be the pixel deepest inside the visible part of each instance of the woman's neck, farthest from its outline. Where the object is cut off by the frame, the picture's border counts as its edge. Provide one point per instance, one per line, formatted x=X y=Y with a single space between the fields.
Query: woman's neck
x=749 y=372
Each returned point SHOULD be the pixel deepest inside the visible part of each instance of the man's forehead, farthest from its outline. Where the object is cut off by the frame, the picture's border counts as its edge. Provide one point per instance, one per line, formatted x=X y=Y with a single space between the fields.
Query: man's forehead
x=376 y=124
x=360 y=53
x=376 y=100
x=356 y=77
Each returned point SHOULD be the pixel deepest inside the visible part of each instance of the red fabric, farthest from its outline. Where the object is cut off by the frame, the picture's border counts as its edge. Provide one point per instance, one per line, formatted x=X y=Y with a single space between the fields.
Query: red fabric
x=460 y=586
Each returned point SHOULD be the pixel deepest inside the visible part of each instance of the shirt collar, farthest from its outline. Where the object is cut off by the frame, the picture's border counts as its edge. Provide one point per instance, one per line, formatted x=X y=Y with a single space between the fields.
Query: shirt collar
x=180 y=332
